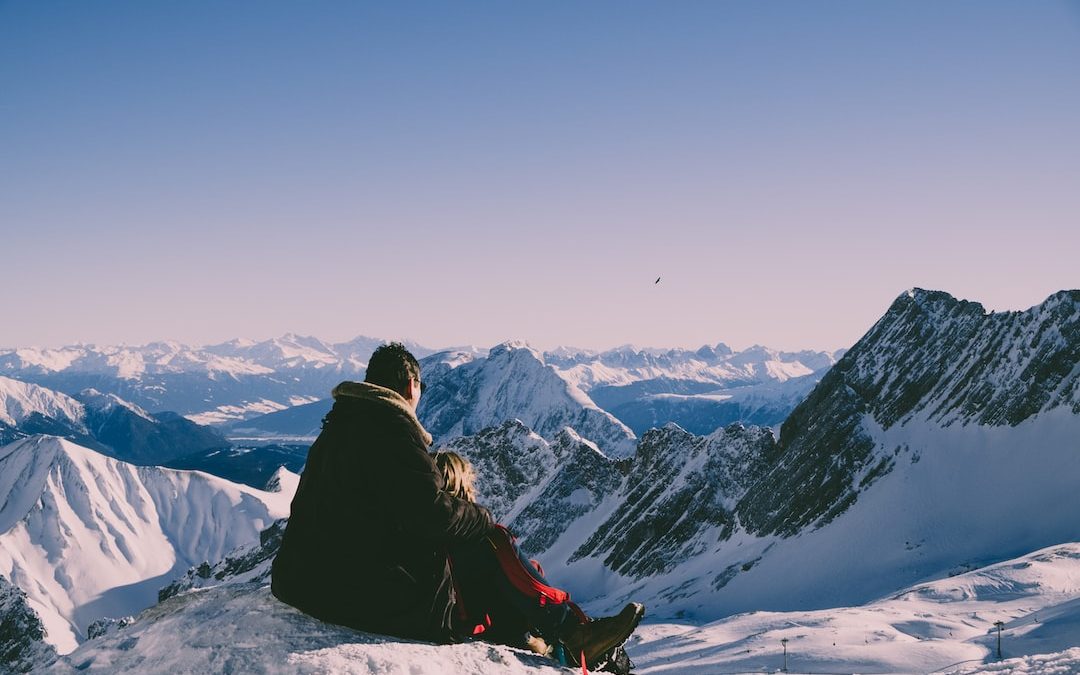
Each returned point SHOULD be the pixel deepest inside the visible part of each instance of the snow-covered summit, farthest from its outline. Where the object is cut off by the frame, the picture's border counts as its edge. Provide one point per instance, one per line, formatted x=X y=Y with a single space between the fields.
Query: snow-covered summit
x=467 y=394
x=105 y=403
x=283 y=481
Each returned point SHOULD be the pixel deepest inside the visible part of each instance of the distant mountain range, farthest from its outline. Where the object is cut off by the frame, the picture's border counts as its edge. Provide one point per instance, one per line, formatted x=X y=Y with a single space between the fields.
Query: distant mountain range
x=211 y=385
x=607 y=397
x=104 y=422
x=240 y=385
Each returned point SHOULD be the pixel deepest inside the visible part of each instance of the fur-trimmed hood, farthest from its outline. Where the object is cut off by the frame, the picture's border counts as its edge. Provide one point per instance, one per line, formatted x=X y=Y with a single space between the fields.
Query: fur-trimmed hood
x=374 y=392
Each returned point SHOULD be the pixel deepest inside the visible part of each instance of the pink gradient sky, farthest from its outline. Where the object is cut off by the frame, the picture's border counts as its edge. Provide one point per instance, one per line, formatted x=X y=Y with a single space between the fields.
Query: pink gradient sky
x=464 y=174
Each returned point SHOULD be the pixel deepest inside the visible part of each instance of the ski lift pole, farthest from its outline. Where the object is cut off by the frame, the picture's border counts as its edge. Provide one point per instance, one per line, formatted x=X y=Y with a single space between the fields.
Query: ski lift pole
x=784 y=642
x=999 y=624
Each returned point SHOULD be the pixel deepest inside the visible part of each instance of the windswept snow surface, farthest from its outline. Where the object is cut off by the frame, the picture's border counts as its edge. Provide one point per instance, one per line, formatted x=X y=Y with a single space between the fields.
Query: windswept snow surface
x=1060 y=663
x=241 y=628
x=943 y=625
x=87 y=536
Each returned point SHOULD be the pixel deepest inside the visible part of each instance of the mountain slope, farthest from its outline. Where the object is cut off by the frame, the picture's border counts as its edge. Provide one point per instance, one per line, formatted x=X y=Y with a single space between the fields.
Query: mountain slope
x=86 y=536
x=889 y=473
x=941 y=626
x=945 y=361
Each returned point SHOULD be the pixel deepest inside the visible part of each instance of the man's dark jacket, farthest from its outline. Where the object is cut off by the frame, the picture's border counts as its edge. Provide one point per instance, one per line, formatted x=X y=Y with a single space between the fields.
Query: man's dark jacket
x=366 y=542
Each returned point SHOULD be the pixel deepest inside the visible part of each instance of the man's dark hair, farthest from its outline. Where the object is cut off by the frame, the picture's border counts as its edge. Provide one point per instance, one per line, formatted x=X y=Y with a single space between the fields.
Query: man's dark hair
x=391 y=366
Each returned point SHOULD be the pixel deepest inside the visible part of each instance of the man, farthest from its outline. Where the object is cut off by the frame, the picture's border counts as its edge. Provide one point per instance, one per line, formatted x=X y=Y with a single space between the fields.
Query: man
x=371 y=522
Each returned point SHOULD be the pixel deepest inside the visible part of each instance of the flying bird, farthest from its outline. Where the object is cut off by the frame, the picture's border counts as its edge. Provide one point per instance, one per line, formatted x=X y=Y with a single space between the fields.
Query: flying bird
x=656 y=282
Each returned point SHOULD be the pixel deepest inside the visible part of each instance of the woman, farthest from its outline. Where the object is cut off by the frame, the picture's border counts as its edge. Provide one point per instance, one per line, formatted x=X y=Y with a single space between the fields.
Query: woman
x=504 y=597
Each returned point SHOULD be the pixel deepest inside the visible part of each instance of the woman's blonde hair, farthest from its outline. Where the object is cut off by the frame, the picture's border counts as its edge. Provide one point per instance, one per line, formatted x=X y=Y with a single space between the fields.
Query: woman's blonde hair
x=458 y=474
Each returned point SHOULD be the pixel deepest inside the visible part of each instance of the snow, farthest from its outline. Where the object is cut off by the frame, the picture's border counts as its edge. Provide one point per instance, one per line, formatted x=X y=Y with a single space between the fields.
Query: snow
x=958 y=498
x=514 y=382
x=106 y=402
x=627 y=365
x=245 y=410
x=19 y=400
x=941 y=626
x=283 y=481
x=242 y=628
x=1061 y=663
x=925 y=628
x=87 y=536
x=48 y=359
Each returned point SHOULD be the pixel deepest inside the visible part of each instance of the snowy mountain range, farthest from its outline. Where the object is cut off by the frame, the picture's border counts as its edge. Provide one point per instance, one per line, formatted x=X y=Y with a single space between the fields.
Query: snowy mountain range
x=86 y=536
x=236 y=383
x=601 y=396
x=905 y=501
x=212 y=385
x=699 y=390
x=877 y=481
x=104 y=422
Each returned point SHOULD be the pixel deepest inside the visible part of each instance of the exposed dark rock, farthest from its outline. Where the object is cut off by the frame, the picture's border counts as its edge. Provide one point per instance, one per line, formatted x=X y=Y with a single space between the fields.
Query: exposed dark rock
x=22 y=636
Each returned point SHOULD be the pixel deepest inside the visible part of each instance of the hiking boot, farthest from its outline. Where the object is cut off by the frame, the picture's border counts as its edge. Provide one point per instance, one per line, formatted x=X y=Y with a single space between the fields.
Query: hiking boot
x=598 y=638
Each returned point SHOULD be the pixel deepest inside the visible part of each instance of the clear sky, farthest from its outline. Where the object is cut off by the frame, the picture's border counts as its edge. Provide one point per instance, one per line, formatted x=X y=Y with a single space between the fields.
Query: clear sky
x=473 y=172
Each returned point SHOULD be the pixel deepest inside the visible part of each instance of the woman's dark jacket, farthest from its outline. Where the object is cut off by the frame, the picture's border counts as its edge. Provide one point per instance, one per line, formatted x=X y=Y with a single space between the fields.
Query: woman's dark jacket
x=366 y=541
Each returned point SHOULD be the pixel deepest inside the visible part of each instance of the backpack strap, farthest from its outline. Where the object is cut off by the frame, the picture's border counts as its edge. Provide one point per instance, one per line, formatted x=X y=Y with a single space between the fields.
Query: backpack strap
x=516 y=573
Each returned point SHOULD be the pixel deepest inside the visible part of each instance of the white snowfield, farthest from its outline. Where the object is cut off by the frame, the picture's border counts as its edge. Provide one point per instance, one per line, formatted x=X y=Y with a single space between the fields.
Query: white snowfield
x=242 y=628
x=943 y=626
x=87 y=536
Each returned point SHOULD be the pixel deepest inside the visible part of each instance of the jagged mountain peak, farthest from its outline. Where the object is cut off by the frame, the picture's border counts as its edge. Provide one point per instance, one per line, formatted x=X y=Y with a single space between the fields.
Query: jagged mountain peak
x=568 y=440
x=931 y=304
x=955 y=361
x=516 y=347
x=467 y=394
x=104 y=403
